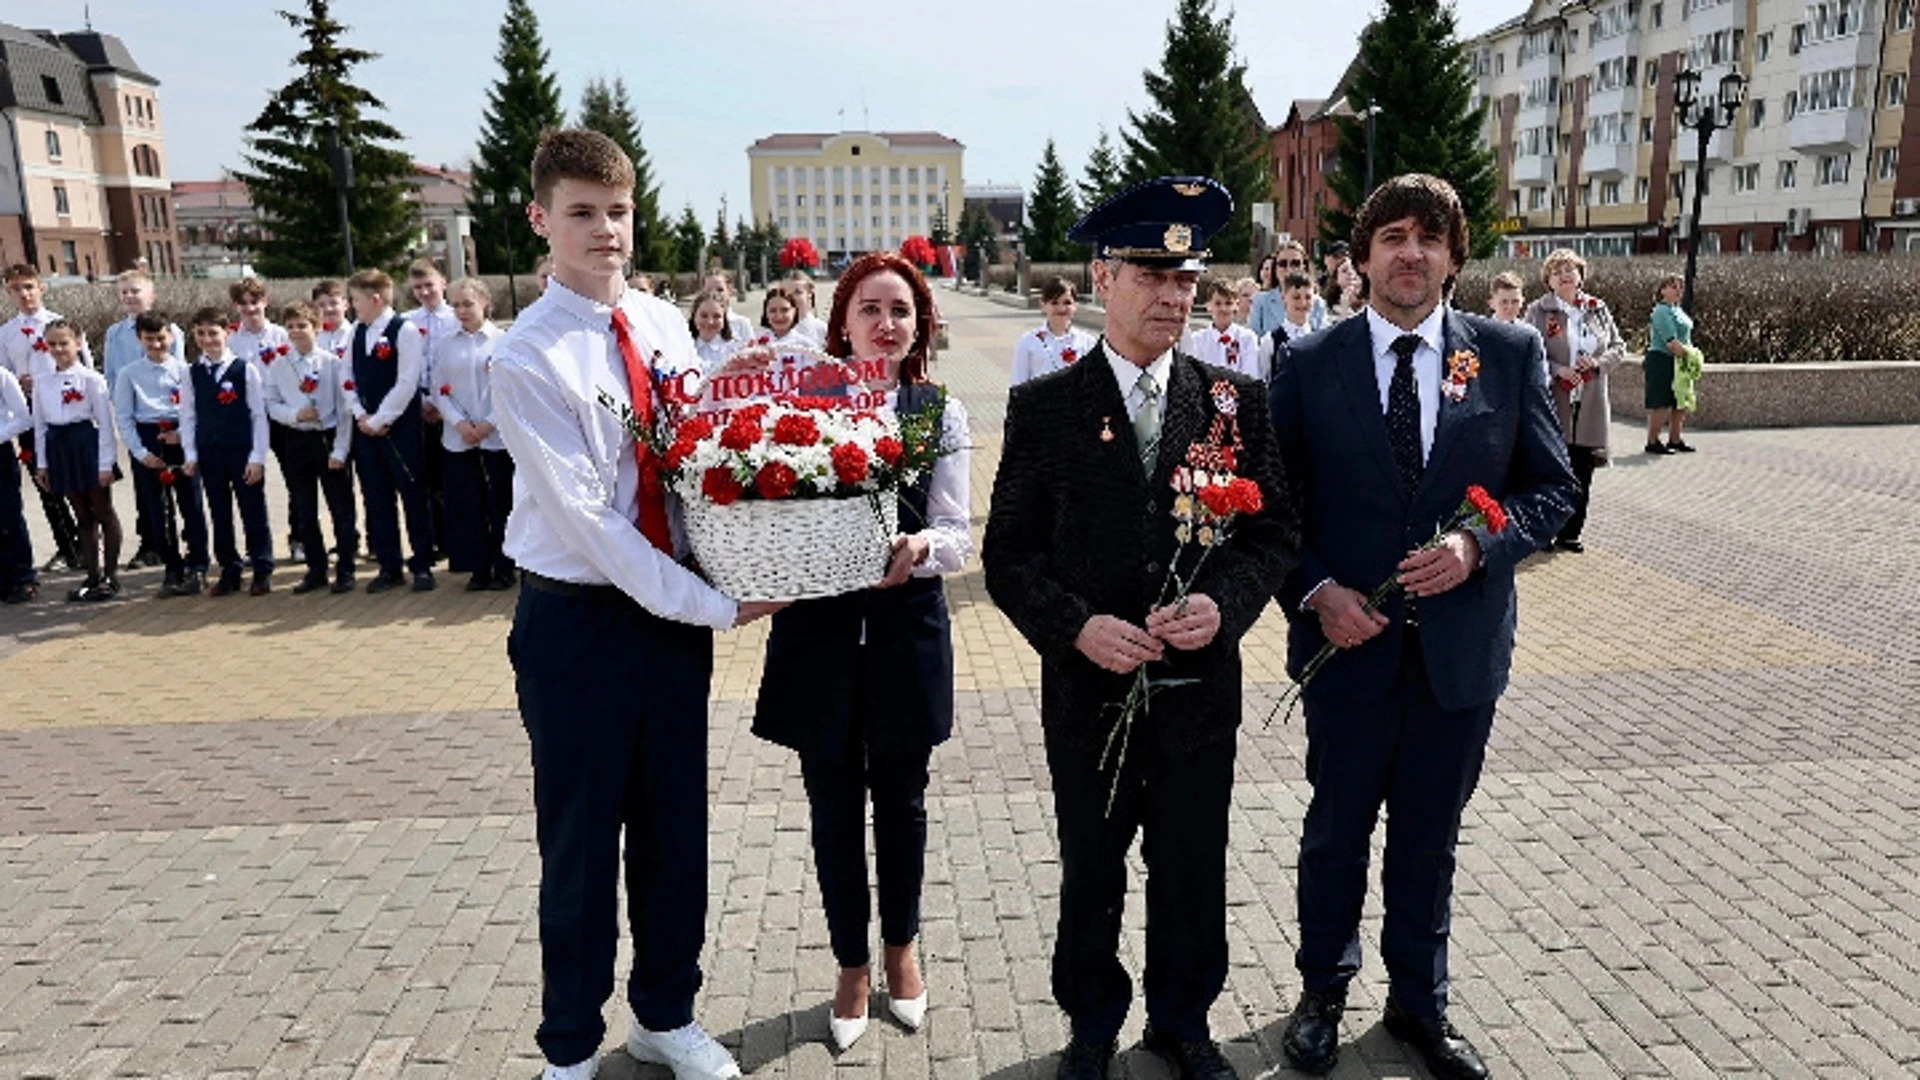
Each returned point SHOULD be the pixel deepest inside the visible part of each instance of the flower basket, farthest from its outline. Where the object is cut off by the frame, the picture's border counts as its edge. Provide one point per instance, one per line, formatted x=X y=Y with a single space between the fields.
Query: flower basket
x=793 y=549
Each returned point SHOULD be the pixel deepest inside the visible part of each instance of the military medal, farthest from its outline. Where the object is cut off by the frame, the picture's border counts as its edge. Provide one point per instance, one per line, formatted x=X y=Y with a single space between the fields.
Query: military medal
x=1106 y=429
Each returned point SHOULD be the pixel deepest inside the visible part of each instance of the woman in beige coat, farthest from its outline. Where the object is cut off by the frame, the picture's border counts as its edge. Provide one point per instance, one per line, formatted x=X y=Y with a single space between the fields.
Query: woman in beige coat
x=1583 y=344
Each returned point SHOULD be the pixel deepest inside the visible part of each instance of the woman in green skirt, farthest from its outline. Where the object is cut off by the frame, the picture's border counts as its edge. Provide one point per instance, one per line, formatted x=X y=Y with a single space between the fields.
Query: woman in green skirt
x=1668 y=329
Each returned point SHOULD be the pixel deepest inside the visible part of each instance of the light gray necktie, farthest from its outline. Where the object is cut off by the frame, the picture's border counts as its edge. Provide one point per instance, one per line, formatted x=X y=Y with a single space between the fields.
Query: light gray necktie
x=1146 y=422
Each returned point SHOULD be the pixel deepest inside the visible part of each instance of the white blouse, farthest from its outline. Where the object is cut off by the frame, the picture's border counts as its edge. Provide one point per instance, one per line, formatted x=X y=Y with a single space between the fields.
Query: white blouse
x=1041 y=351
x=463 y=388
x=74 y=396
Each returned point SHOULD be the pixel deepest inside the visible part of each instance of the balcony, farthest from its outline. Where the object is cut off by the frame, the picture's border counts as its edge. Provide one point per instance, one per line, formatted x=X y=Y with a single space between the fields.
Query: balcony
x=1687 y=147
x=1829 y=129
x=1855 y=50
x=1532 y=170
x=1610 y=160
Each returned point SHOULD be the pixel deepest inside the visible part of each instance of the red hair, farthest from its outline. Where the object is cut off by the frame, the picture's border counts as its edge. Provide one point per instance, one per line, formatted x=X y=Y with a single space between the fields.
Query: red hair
x=913 y=368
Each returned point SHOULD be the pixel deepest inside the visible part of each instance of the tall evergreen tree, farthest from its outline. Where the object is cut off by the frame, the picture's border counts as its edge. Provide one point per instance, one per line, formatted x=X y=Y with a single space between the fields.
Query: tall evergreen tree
x=1415 y=70
x=981 y=235
x=1104 y=173
x=1050 y=212
x=606 y=108
x=290 y=179
x=688 y=241
x=1203 y=121
x=523 y=102
x=939 y=232
x=722 y=240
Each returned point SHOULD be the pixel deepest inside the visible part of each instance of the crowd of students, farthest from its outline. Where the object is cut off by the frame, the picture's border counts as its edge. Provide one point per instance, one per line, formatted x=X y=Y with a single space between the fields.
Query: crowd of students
x=337 y=388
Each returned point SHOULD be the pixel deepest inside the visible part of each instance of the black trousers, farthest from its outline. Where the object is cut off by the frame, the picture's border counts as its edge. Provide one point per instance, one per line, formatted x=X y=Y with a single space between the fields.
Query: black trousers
x=838 y=786
x=66 y=531
x=614 y=701
x=1422 y=763
x=1584 y=459
x=16 y=545
x=479 y=490
x=304 y=460
x=145 y=526
x=222 y=474
x=1178 y=801
x=433 y=456
x=390 y=466
x=173 y=511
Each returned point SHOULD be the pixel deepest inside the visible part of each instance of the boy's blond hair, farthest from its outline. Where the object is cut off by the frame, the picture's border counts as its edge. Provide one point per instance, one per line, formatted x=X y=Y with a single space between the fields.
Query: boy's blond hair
x=247 y=288
x=373 y=281
x=302 y=310
x=475 y=286
x=578 y=154
x=135 y=274
x=1507 y=279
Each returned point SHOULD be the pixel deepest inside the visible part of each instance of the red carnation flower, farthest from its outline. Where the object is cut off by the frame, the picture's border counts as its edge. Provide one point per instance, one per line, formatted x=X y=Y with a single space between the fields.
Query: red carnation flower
x=26 y=456
x=173 y=395
x=741 y=434
x=382 y=351
x=1246 y=495
x=266 y=354
x=227 y=397
x=282 y=350
x=796 y=429
x=680 y=451
x=1226 y=339
x=446 y=389
x=1489 y=507
x=696 y=427
x=1068 y=355
x=888 y=449
x=233 y=327
x=166 y=476
x=40 y=345
x=423 y=331
x=775 y=480
x=1218 y=499
x=309 y=384
x=348 y=385
x=719 y=485
x=329 y=326
x=753 y=414
x=849 y=463
x=27 y=330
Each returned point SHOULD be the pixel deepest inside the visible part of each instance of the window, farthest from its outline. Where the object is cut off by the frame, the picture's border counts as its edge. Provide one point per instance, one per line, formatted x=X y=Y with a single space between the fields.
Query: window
x=71 y=255
x=1614 y=21
x=858 y=199
x=820 y=175
x=913 y=174
x=1610 y=129
x=1787 y=176
x=1886 y=161
x=876 y=221
x=1719 y=47
x=1646 y=129
x=60 y=204
x=50 y=86
x=1513 y=204
x=1610 y=193
x=1656 y=11
x=1826 y=91
x=1611 y=75
x=1642 y=188
x=839 y=200
x=1763 y=46
x=1652 y=69
x=1535 y=141
x=782 y=202
x=1746 y=241
x=893 y=222
x=1797 y=40
x=785 y=222
x=1832 y=19
x=1793 y=104
x=1757 y=113
x=1746 y=178
x=1903 y=15
x=856 y=150
x=1896 y=94
x=1831 y=169
x=893 y=200
x=819 y=221
x=798 y=200
x=1677 y=186
x=1499 y=63
x=1544 y=90
x=1536 y=198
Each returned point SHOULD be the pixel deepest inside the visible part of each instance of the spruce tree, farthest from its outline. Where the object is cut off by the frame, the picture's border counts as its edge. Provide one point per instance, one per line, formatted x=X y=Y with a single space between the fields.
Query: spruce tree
x=981 y=235
x=1415 y=70
x=606 y=108
x=291 y=181
x=1203 y=121
x=523 y=102
x=688 y=241
x=1104 y=173
x=1050 y=212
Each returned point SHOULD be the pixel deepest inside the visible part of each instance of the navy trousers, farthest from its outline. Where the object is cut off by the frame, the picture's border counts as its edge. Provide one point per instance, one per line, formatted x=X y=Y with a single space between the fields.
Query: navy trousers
x=1422 y=763
x=1178 y=801
x=189 y=517
x=392 y=466
x=479 y=495
x=60 y=521
x=16 y=546
x=305 y=462
x=222 y=475
x=614 y=701
x=837 y=791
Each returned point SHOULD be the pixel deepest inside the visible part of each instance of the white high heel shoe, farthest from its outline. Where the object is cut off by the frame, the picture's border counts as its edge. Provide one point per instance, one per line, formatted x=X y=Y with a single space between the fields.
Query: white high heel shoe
x=845 y=1032
x=909 y=1011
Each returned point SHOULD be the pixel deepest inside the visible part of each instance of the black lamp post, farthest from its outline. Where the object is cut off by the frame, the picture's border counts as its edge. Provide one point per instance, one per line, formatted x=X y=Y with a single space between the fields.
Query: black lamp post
x=1370 y=112
x=509 y=199
x=340 y=161
x=1705 y=118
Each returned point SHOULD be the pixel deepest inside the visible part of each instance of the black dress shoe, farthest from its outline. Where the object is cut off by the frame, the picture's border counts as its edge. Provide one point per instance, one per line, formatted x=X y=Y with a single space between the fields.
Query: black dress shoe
x=386 y=580
x=1678 y=447
x=20 y=594
x=1448 y=1054
x=1199 y=1059
x=311 y=583
x=1572 y=547
x=480 y=582
x=262 y=583
x=1658 y=448
x=226 y=586
x=1312 y=1038
x=1083 y=1060
x=423 y=581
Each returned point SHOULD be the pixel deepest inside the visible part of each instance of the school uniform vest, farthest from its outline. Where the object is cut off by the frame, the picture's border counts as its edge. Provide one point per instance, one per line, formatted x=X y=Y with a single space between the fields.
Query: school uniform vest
x=374 y=378
x=819 y=672
x=228 y=425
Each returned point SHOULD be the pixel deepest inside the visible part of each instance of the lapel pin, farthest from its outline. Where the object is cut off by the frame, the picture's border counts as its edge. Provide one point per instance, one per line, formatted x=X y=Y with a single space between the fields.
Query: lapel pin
x=1106 y=429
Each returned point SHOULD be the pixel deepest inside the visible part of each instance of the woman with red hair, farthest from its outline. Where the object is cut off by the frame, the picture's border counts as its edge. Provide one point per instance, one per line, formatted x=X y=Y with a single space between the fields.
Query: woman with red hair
x=861 y=685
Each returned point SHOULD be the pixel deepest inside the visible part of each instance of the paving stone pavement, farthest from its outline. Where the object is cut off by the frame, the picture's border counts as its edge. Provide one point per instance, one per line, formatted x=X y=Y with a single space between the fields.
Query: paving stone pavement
x=1694 y=851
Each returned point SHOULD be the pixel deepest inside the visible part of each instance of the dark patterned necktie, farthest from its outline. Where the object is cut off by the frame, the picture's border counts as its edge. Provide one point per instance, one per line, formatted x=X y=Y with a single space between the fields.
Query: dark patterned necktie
x=1403 y=414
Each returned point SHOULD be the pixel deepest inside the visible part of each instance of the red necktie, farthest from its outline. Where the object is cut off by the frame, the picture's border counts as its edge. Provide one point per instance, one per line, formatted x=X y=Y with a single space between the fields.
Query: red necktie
x=653 y=500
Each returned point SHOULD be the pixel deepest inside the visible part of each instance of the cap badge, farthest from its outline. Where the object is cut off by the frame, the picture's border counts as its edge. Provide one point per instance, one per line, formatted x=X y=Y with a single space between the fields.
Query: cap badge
x=1189 y=189
x=1179 y=239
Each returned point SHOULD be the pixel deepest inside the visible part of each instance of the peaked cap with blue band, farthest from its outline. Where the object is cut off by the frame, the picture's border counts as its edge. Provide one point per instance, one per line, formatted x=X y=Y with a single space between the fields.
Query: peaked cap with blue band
x=1164 y=222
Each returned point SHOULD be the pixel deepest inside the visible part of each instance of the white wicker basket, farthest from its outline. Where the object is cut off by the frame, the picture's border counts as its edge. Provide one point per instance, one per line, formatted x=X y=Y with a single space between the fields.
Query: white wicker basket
x=793 y=549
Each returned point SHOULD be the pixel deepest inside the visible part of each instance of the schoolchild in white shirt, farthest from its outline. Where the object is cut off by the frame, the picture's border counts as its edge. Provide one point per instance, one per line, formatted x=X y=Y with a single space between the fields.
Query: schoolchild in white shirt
x=329 y=297
x=713 y=339
x=146 y=408
x=257 y=339
x=19 y=582
x=1057 y=343
x=435 y=322
x=382 y=377
x=720 y=281
x=612 y=641
x=1297 y=297
x=307 y=405
x=1225 y=343
x=25 y=352
x=479 y=471
x=73 y=426
x=809 y=324
x=224 y=436
x=120 y=350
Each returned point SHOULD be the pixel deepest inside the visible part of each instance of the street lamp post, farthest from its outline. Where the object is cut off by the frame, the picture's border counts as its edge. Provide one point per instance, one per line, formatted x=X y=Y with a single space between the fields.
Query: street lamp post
x=340 y=160
x=1705 y=118
x=509 y=199
x=1370 y=112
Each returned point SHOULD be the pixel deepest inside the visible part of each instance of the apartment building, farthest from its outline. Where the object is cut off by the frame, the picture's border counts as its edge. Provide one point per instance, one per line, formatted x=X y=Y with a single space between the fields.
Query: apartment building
x=83 y=188
x=856 y=191
x=1591 y=154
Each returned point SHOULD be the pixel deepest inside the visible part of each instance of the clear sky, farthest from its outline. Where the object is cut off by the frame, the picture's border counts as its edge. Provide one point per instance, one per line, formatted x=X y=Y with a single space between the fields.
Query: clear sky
x=708 y=77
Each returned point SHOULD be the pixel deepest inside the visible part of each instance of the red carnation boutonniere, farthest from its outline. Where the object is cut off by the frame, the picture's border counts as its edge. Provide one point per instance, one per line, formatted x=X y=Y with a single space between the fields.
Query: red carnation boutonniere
x=347 y=386
x=266 y=354
x=446 y=389
x=167 y=425
x=282 y=350
x=309 y=384
x=383 y=351
x=72 y=395
x=1226 y=339
x=173 y=396
x=27 y=330
x=233 y=328
x=1554 y=327
x=1462 y=367
x=1068 y=355
x=422 y=329
x=329 y=326
x=39 y=344
x=227 y=396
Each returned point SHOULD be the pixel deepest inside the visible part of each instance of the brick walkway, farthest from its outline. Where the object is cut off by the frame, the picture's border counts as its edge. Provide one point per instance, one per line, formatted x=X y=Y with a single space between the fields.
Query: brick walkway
x=1694 y=853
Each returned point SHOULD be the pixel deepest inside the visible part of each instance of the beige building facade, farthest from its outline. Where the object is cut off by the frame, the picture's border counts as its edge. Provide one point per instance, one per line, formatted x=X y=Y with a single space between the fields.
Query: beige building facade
x=1591 y=155
x=856 y=191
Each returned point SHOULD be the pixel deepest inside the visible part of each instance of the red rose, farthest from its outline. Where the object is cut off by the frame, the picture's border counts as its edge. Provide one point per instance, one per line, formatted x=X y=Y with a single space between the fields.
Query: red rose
x=796 y=429
x=775 y=480
x=347 y=385
x=266 y=354
x=27 y=330
x=719 y=485
x=71 y=395
x=1068 y=355
x=1246 y=495
x=741 y=434
x=849 y=463
x=382 y=351
x=888 y=449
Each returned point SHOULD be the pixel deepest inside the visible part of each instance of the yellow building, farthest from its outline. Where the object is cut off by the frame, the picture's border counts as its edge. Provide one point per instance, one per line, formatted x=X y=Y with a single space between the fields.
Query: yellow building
x=856 y=191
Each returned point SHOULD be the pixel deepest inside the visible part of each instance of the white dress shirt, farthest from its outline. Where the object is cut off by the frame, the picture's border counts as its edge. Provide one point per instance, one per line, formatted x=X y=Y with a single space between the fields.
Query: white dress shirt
x=1426 y=366
x=1127 y=374
x=814 y=329
x=435 y=325
x=286 y=390
x=576 y=483
x=714 y=351
x=15 y=417
x=948 y=529
x=462 y=388
x=259 y=347
x=334 y=337
x=228 y=367
x=121 y=348
x=741 y=327
x=412 y=357
x=25 y=352
x=1236 y=348
x=74 y=396
x=1041 y=351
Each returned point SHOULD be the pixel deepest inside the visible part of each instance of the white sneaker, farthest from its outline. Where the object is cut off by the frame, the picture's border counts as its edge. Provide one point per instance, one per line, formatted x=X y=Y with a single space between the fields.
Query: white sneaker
x=579 y=1071
x=689 y=1051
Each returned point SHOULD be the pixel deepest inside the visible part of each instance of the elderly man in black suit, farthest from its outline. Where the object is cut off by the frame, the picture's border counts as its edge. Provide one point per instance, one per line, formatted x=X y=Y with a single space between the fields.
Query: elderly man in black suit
x=1384 y=420
x=1076 y=553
